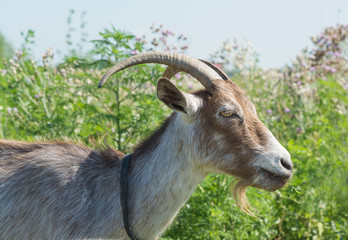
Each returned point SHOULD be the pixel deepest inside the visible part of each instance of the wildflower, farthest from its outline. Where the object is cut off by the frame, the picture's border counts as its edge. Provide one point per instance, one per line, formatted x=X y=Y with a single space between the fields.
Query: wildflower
x=269 y=111
x=27 y=80
x=15 y=58
x=9 y=110
x=133 y=52
x=181 y=36
x=297 y=75
x=312 y=69
x=15 y=110
x=299 y=83
x=337 y=54
x=190 y=87
x=298 y=130
x=177 y=75
x=4 y=71
x=37 y=96
x=49 y=52
x=19 y=53
x=286 y=110
x=325 y=67
x=170 y=33
x=138 y=39
x=163 y=40
x=332 y=70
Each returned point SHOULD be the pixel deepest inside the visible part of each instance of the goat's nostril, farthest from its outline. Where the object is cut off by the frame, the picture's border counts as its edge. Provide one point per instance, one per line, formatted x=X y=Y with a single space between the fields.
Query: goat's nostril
x=285 y=164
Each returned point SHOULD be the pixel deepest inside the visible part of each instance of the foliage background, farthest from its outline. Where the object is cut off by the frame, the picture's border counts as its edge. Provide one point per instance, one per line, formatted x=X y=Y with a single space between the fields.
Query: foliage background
x=304 y=104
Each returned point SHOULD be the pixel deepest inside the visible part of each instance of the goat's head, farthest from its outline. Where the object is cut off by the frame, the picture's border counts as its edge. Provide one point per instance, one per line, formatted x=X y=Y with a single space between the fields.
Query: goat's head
x=231 y=138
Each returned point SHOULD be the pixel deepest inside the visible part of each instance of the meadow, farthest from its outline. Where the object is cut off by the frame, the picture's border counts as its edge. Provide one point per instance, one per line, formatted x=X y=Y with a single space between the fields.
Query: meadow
x=304 y=104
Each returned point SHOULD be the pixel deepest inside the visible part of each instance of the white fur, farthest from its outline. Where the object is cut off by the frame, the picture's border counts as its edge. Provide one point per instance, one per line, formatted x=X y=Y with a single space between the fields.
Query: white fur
x=270 y=159
x=169 y=193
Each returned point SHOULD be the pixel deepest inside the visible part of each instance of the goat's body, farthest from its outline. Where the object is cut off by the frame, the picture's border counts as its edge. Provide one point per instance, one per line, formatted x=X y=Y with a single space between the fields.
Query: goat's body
x=56 y=191
x=65 y=191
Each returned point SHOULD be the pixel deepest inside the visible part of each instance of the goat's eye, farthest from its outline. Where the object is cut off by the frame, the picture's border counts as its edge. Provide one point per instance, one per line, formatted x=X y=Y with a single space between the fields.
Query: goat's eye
x=228 y=114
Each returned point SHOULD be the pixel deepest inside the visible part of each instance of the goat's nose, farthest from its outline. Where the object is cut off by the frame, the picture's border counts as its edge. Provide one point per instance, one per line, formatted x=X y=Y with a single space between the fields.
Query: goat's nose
x=286 y=163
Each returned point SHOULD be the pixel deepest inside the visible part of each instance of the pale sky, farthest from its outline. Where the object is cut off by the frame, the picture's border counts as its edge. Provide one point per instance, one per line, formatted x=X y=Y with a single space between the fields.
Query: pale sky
x=278 y=29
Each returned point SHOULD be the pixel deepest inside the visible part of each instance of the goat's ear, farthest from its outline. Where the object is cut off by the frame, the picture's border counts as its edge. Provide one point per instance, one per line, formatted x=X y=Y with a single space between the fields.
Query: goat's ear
x=176 y=99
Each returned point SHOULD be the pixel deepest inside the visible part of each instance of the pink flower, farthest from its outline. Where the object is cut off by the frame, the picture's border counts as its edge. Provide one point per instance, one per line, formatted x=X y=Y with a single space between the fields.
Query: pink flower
x=269 y=111
x=312 y=69
x=286 y=110
x=177 y=75
x=170 y=33
x=337 y=54
x=325 y=67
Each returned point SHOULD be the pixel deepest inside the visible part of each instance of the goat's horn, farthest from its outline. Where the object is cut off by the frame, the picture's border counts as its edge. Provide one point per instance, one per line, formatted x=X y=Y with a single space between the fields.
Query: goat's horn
x=170 y=71
x=179 y=62
x=216 y=69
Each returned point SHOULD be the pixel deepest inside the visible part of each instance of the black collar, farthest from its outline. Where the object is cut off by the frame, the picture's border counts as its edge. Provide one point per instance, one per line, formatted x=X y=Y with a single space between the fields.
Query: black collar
x=123 y=195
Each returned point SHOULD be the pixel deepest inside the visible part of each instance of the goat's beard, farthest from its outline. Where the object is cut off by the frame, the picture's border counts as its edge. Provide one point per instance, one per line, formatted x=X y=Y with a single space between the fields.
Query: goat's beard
x=239 y=195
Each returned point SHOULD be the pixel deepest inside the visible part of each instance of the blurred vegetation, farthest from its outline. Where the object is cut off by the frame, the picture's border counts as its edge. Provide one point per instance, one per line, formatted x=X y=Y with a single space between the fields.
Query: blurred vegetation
x=304 y=105
x=6 y=49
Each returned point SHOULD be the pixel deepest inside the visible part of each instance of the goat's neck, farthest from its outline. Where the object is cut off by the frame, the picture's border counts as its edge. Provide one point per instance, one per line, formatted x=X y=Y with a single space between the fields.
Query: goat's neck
x=163 y=179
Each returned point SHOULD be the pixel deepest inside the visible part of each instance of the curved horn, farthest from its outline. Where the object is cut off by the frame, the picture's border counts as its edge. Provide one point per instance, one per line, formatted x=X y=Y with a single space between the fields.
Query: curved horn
x=216 y=69
x=170 y=71
x=197 y=69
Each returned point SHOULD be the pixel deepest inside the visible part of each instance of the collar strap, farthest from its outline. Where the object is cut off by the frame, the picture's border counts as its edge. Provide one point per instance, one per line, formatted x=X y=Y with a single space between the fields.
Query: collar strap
x=123 y=195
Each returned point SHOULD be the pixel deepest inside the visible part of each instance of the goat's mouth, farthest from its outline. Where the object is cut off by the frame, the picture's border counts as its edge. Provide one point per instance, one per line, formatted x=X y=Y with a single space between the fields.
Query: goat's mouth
x=271 y=181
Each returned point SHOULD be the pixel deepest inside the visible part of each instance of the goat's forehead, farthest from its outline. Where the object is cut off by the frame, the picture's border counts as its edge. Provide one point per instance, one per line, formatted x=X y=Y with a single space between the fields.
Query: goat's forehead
x=229 y=92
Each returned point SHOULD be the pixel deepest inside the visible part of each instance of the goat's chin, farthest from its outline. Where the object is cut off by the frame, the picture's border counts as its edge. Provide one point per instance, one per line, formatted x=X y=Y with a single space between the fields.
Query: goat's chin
x=270 y=184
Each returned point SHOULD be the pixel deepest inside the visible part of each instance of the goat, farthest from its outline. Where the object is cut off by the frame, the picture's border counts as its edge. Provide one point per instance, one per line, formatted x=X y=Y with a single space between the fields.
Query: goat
x=59 y=190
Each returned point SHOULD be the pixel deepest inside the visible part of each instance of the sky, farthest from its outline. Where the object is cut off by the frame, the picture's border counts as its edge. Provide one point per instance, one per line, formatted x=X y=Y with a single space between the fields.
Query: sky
x=278 y=29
